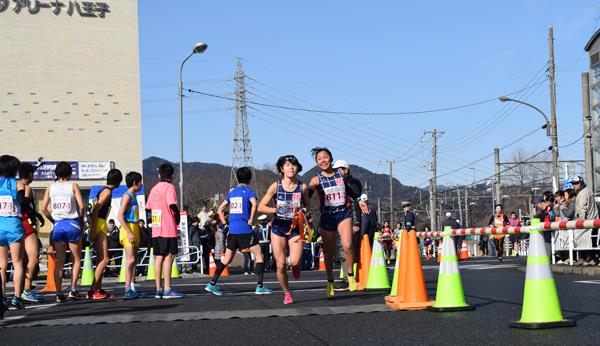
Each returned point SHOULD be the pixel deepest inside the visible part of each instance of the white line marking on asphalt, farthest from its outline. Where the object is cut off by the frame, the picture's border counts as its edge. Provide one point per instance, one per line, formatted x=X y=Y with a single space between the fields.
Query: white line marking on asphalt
x=594 y=282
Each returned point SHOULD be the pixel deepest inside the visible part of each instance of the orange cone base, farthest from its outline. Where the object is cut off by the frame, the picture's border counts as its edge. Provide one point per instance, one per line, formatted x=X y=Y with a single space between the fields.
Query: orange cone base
x=451 y=309
x=543 y=325
x=50 y=289
x=396 y=304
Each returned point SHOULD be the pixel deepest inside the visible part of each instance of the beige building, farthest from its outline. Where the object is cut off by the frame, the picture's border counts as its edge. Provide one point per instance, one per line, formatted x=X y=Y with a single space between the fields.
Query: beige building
x=70 y=85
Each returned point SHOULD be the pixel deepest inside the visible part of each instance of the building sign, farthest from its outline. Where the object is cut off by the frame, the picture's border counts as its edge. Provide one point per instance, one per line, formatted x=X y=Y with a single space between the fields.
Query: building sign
x=90 y=9
x=82 y=170
x=183 y=240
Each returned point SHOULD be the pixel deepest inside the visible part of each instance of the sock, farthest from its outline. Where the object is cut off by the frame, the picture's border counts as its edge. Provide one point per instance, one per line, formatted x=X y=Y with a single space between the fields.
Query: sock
x=132 y=286
x=220 y=268
x=260 y=270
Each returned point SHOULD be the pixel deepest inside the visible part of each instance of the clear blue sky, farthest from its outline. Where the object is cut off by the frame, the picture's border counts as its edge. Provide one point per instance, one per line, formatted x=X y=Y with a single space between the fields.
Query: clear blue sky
x=386 y=56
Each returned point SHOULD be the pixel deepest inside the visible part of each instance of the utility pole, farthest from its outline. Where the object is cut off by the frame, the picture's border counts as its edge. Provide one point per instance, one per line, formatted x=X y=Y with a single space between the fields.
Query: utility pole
x=498 y=198
x=467 y=222
x=553 y=125
x=390 y=163
x=587 y=132
x=459 y=205
x=378 y=208
x=433 y=181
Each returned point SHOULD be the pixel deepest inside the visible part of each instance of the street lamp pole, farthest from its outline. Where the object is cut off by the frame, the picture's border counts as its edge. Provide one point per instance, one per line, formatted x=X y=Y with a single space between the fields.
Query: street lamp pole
x=199 y=48
x=549 y=132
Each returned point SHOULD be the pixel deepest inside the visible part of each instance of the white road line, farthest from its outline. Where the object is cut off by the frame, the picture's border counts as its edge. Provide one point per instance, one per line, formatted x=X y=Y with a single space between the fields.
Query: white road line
x=594 y=282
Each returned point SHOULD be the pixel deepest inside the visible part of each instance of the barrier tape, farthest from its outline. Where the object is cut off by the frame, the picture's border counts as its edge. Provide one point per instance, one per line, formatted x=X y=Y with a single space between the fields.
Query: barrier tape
x=546 y=226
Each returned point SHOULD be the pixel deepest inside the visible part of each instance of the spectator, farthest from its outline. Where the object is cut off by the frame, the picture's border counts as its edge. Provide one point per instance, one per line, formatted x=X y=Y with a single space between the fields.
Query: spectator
x=368 y=222
x=499 y=219
x=113 y=243
x=408 y=217
x=451 y=222
x=206 y=238
x=194 y=236
x=263 y=232
x=145 y=242
x=203 y=216
x=220 y=236
x=585 y=209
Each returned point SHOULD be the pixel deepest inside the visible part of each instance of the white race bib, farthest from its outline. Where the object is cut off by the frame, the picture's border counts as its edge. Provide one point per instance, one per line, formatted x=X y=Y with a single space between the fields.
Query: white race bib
x=235 y=205
x=156 y=217
x=7 y=205
x=287 y=209
x=335 y=196
x=61 y=205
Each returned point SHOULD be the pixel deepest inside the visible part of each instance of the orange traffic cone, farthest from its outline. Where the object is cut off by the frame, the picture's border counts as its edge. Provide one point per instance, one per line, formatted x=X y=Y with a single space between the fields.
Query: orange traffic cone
x=464 y=252
x=364 y=264
x=212 y=267
x=414 y=296
x=225 y=272
x=50 y=283
x=402 y=265
x=439 y=253
x=321 y=261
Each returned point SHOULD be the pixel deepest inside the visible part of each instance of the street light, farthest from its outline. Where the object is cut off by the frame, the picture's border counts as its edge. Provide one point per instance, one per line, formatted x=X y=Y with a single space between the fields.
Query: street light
x=199 y=48
x=553 y=139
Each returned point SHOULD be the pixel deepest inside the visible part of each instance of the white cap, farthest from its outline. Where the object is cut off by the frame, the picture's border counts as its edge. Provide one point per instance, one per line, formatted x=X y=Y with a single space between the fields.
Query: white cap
x=448 y=214
x=363 y=197
x=262 y=217
x=340 y=164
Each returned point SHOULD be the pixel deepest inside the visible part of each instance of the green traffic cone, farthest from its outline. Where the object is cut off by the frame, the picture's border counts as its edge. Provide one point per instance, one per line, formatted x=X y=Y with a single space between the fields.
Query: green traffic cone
x=449 y=294
x=87 y=275
x=150 y=272
x=175 y=270
x=397 y=266
x=123 y=268
x=342 y=271
x=541 y=307
x=378 y=276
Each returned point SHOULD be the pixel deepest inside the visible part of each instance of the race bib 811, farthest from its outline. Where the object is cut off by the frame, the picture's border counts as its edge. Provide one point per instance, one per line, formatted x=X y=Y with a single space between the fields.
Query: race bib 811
x=335 y=196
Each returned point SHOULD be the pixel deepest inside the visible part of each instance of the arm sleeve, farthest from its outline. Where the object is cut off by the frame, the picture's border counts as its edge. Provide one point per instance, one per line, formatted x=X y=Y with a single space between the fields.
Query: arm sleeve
x=24 y=202
x=354 y=188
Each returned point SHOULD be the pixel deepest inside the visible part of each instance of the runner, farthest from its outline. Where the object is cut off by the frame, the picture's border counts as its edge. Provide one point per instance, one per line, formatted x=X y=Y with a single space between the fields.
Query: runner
x=335 y=215
x=129 y=234
x=289 y=195
x=29 y=218
x=67 y=217
x=386 y=240
x=162 y=207
x=99 y=235
x=12 y=197
x=242 y=208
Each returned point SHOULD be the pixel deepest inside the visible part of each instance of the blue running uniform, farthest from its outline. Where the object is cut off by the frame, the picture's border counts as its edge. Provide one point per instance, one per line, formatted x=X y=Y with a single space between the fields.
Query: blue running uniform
x=335 y=205
x=287 y=205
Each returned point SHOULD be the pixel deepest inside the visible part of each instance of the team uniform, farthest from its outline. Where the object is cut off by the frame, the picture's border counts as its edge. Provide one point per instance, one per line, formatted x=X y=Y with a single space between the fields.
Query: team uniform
x=131 y=216
x=11 y=227
x=67 y=228
x=335 y=205
x=287 y=204
x=101 y=226
x=164 y=228
x=241 y=235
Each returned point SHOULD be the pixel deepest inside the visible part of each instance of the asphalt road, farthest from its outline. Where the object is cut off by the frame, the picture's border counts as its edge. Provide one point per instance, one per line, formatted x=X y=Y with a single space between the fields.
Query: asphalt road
x=350 y=318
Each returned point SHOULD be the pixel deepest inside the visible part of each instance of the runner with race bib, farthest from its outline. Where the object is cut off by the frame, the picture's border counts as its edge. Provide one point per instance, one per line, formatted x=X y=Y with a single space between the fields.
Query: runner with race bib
x=336 y=215
x=289 y=195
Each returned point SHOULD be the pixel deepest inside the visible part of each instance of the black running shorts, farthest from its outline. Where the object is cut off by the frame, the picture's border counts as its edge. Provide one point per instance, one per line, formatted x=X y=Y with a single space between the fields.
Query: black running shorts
x=241 y=241
x=164 y=246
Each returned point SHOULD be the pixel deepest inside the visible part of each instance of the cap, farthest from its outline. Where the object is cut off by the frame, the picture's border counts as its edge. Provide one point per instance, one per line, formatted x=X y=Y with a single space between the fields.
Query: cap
x=363 y=197
x=448 y=214
x=577 y=179
x=262 y=217
x=340 y=164
x=405 y=204
x=567 y=186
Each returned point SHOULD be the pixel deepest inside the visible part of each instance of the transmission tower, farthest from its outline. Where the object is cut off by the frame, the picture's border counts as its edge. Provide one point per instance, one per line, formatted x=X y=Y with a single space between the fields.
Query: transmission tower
x=242 y=150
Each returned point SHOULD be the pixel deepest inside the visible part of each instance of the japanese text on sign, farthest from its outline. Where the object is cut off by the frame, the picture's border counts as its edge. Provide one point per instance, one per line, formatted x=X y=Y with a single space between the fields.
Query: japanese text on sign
x=91 y=9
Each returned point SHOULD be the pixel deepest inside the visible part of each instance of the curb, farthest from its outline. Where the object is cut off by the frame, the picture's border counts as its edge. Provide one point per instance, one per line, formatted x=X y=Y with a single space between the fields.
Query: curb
x=576 y=270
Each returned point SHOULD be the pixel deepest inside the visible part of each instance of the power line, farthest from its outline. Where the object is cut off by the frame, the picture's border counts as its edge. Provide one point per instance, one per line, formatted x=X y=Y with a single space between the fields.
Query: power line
x=359 y=113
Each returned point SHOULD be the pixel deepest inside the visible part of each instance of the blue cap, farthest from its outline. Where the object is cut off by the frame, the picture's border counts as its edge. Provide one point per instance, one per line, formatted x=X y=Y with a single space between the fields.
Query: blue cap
x=568 y=186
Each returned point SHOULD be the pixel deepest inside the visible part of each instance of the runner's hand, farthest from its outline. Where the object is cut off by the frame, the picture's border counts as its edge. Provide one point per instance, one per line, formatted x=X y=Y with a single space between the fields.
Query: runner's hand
x=131 y=237
x=363 y=207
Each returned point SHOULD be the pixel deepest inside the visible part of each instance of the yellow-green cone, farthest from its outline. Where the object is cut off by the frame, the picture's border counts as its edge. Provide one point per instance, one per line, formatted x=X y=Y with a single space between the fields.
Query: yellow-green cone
x=449 y=294
x=378 y=276
x=397 y=265
x=541 y=307
x=87 y=275
x=150 y=273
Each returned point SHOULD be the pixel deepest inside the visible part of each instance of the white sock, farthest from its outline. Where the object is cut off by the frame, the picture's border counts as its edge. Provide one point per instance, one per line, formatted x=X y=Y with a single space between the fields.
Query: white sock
x=132 y=285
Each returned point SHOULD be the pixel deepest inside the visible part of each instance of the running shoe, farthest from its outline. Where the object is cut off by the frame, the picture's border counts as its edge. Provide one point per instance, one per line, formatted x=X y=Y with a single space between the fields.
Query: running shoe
x=158 y=294
x=214 y=289
x=99 y=295
x=60 y=298
x=296 y=272
x=352 y=285
x=130 y=294
x=139 y=294
x=330 y=291
x=172 y=294
x=263 y=290
x=340 y=285
x=108 y=294
x=30 y=296
x=17 y=303
x=288 y=299
x=74 y=295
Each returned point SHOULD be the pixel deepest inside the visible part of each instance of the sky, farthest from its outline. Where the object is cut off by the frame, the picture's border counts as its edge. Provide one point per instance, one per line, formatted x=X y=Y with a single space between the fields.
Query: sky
x=366 y=57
